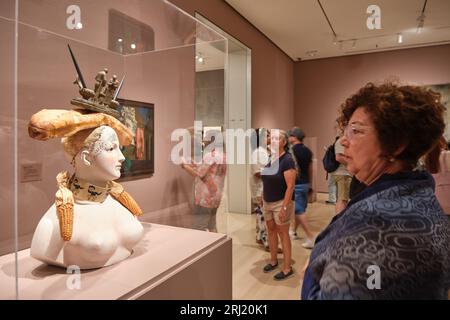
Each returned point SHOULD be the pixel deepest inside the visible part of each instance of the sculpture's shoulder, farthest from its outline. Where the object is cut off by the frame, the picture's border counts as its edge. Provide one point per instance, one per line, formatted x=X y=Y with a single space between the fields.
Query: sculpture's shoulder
x=50 y=214
x=49 y=221
x=47 y=241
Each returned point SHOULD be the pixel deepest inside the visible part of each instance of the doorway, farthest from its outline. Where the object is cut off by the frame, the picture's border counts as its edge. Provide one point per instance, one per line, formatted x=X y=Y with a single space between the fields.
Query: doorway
x=236 y=111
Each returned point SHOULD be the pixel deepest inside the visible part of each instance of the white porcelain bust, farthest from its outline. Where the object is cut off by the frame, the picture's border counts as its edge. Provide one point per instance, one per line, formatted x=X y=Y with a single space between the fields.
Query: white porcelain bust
x=104 y=230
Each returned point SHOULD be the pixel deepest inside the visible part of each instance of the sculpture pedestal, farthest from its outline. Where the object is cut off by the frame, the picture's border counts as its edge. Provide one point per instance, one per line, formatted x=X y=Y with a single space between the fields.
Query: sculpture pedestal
x=168 y=263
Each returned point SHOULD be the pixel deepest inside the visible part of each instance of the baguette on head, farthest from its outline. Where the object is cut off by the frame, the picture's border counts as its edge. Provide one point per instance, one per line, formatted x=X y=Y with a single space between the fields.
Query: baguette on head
x=48 y=124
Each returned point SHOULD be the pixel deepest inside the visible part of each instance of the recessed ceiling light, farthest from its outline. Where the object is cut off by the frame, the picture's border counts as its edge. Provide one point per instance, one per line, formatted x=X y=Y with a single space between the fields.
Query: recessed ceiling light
x=312 y=53
x=120 y=40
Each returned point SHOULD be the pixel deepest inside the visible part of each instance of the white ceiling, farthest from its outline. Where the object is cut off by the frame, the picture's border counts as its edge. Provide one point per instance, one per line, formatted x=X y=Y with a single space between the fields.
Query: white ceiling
x=300 y=26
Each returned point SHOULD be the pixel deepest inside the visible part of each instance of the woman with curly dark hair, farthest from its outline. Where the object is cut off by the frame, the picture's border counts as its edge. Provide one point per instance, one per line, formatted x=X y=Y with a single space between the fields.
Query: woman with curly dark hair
x=393 y=239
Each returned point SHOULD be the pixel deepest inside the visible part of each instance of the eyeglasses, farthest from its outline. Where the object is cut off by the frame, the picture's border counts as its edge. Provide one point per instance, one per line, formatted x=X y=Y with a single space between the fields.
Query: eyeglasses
x=353 y=130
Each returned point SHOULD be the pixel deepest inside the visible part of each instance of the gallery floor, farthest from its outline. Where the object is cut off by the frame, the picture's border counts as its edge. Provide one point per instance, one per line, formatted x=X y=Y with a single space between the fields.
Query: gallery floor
x=249 y=281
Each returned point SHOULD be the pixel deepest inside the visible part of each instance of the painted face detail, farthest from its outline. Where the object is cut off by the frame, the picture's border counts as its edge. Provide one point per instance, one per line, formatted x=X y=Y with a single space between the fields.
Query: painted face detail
x=106 y=156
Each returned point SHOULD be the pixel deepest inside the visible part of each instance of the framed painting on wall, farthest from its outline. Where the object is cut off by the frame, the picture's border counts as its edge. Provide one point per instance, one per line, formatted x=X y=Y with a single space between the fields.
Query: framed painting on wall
x=140 y=155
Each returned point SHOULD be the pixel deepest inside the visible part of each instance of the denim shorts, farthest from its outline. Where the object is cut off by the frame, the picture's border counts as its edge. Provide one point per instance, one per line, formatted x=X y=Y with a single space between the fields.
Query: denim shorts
x=301 y=198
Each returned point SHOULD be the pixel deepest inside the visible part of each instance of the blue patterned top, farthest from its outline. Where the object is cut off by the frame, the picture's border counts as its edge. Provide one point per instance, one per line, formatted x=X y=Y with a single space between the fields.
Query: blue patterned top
x=391 y=242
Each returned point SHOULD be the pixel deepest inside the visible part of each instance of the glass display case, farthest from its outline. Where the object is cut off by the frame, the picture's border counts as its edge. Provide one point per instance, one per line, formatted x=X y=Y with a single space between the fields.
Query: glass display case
x=153 y=51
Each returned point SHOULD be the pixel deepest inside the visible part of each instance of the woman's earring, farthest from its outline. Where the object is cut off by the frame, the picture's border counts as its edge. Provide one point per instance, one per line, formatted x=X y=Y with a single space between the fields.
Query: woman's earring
x=392 y=159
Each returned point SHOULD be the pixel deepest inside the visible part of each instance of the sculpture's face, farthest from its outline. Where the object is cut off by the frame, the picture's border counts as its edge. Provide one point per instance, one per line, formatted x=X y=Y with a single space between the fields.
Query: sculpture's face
x=105 y=155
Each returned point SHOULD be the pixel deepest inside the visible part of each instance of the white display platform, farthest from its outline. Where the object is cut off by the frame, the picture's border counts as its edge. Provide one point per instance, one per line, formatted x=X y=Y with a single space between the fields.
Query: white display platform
x=168 y=263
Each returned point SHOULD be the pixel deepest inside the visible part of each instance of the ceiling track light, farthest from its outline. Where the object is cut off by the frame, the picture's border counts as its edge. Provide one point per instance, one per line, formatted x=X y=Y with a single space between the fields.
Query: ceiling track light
x=335 y=40
x=421 y=18
x=351 y=43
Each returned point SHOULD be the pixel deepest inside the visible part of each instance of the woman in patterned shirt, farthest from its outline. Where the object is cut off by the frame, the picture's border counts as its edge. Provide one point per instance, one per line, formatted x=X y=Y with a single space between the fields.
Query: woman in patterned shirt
x=392 y=240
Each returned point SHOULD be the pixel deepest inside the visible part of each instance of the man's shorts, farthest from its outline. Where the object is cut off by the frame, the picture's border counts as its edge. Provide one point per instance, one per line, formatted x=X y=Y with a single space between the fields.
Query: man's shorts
x=343 y=187
x=301 y=198
x=272 y=212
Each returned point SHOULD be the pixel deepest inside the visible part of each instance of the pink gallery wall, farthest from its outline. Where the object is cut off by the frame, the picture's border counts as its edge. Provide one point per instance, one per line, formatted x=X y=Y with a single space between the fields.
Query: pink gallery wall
x=322 y=85
x=7 y=8
x=6 y=130
x=166 y=79
x=171 y=27
x=45 y=80
x=272 y=70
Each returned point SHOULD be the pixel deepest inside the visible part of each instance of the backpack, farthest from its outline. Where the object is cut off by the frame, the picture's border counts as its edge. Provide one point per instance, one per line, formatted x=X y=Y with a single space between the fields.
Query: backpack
x=330 y=163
